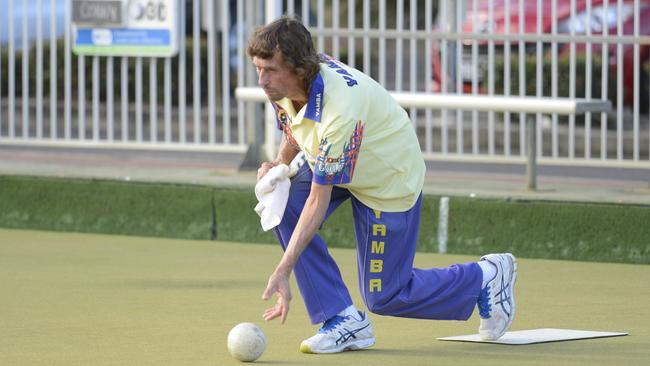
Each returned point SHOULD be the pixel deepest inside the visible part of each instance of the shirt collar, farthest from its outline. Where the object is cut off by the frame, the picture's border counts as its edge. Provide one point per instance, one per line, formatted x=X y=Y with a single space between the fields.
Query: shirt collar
x=315 y=101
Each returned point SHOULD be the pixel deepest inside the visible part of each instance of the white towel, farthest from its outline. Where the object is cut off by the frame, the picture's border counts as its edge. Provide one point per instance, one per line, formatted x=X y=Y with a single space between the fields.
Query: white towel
x=272 y=192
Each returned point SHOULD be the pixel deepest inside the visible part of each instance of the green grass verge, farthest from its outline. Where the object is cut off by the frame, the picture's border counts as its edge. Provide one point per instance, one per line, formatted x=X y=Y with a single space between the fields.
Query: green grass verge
x=576 y=231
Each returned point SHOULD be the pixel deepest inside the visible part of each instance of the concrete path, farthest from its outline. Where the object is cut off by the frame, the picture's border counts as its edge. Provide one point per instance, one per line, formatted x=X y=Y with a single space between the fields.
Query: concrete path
x=491 y=180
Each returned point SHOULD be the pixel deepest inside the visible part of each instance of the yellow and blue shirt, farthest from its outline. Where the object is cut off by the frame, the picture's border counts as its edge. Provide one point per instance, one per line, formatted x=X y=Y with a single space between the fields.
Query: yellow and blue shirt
x=356 y=136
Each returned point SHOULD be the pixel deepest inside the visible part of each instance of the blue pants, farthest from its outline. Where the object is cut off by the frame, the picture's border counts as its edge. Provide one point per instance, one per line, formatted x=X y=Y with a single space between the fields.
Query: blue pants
x=386 y=243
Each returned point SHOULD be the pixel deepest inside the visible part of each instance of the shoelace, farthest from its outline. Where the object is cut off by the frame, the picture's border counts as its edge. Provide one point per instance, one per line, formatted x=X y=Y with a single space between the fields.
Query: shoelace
x=483 y=302
x=332 y=323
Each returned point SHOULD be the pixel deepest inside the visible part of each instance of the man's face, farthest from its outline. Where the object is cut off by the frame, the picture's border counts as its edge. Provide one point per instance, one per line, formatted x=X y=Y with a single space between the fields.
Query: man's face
x=277 y=80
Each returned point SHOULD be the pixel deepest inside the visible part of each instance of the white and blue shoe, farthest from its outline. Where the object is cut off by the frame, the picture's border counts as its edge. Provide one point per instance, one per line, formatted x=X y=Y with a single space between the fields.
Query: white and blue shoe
x=341 y=333
x=496 y=302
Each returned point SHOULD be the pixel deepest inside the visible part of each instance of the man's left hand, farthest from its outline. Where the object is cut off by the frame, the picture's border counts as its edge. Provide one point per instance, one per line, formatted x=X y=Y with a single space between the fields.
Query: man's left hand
x=278 y=284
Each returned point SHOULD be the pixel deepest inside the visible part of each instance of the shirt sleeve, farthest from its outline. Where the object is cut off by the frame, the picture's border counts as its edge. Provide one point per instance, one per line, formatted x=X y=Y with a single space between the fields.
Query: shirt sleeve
x=338 y=153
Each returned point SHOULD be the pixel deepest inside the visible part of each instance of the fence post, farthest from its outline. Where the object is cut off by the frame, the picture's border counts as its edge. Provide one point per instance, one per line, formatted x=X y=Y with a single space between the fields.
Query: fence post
x=443 y=224
x=531 y=145
x=254 y=138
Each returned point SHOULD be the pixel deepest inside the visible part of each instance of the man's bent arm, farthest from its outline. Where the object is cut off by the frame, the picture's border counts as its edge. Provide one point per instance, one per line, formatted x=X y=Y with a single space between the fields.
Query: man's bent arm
x=312 y=216
x=286 y=153
x=310 y=220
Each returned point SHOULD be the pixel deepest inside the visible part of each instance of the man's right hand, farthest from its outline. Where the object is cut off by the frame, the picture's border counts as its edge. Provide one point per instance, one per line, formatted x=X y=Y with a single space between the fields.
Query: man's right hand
x=264 y=168
x=278 y=284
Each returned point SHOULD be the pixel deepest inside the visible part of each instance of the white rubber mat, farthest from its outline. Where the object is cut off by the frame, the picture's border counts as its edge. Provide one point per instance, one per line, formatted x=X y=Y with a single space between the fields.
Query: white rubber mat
x=533 y=336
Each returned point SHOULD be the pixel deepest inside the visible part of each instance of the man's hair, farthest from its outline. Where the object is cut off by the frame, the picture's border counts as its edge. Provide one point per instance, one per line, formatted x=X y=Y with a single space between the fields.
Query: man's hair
x=288 y=36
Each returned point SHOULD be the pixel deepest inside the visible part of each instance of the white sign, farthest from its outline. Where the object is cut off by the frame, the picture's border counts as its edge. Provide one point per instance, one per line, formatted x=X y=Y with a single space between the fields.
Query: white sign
x=125 y=27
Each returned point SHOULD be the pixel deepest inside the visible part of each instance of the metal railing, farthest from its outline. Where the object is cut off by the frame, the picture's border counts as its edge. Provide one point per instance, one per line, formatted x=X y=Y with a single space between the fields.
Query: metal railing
x=476 y=47
x=181 y=102
x=50 y=96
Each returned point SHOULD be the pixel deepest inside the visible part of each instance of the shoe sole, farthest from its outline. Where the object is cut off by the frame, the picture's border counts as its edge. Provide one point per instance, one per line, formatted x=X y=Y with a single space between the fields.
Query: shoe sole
x=352 y=346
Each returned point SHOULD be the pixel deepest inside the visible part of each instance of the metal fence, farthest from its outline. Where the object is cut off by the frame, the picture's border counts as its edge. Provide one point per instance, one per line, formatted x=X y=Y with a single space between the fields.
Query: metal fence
x=561 y=48
x=48 y=95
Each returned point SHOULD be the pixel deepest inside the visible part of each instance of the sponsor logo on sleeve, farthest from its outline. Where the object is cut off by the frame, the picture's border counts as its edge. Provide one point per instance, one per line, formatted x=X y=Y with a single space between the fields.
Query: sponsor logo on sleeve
x=339 y=169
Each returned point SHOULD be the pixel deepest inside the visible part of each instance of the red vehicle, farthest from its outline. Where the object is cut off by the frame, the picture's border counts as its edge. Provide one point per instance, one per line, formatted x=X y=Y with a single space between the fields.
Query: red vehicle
x=599 y=19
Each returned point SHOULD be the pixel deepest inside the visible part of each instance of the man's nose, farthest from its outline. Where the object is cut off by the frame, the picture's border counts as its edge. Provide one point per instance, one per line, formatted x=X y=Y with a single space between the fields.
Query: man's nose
x=262 y=80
